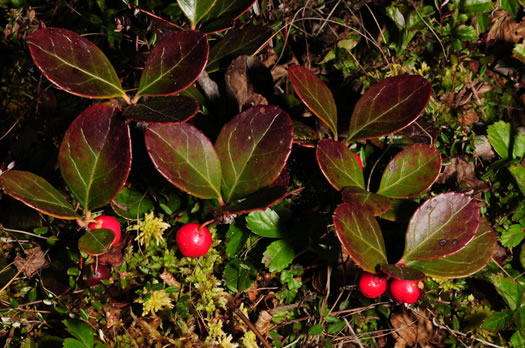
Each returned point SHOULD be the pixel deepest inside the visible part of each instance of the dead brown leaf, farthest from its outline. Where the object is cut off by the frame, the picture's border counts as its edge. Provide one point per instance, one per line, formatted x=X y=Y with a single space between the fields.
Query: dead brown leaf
x=462 y=174
x=411 y=328
x=239 y=83
x=505 y=28
x=468 y=117
x=35 y=261
x=169 y=279
x=263 y=322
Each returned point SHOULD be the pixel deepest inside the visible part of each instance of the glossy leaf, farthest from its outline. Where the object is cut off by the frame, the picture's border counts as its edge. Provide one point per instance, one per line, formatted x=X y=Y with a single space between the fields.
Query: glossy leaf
x=440 y=227
x=238 y=42
x=474 y=257
x=163 y=110
x=95 y=155
x=266 y=223
x=376 y=203
x=131 y=204
x=253 y=148
x=389 y=106
x=175 y=62
x=304 y=135
x=37 y=193
x=360 y=235
x=278 y=255
x=315 y=94
x=195 y=10
x=74 y=64
x=223 y=14
x=500 y=134
x=339 y=164
x=402 y=272
x=186 y=158
x=411 y=172
x=96 y=242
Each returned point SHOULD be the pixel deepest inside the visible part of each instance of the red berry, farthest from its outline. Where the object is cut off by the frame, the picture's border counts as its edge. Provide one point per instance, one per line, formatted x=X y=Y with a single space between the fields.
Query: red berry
x=108 y=222
x=100 y=272
x=405 y=291
x=193 y=240
x=372 y=285
x=359 y=160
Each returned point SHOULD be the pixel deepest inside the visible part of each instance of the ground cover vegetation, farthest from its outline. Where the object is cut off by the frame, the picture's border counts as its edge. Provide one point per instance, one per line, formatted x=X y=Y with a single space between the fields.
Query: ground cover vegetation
x=268 y=173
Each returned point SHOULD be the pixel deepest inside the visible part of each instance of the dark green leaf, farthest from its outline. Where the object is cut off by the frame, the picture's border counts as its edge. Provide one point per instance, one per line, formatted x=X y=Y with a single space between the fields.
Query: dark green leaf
x=74 y=64
x=253 y=148
x=259 y=200
x=73 y=343
x=95 y=155
x=410 y=172
x=315 y=94
x=239 y=276
x=266 y=223
x=131 y=204
x=474 y=257
x=37 y=193
x=278 y=255
x=236 y=238
x=316 y=329
x=389 y=106
x=339 y=164
x=186 y=158
x=401 y=210
x=498 y=321
x=223 y=14
x=80 y=331
x=402 y=272
x=518 y=172
x=96 y=242
x=477 y=6
x=360 y=235
x=175 y=62
x=238 y=42
x=499 y=135
x=163 y=110
x=376 y=203
x=195 y=10
x=442 y=226
x=509 y=289
x=336 y=327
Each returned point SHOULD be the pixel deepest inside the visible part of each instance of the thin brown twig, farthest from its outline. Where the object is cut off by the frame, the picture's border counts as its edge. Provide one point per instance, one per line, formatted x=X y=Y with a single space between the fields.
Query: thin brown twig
x=252 y=327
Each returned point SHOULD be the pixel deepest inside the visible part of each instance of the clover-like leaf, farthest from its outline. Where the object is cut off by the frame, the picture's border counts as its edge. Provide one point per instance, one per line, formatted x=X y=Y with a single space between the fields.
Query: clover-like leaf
x=95 y=155
x=474 y=257
x=175 y=62
x=96 y=242
x=376 y=203
x=37 y=193
x=389 y=106
x=253 y=148
x=315 y=94
x=238 y=42
x=339 y=164
x=163 y=110
x=410 y=172
x=402 y=272
x=74 y=64
x=442 y=226
x=360 y=235
x=186 y=158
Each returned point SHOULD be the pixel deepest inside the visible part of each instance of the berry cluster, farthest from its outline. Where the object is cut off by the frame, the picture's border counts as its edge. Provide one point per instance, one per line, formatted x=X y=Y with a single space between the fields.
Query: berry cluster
x=374 y=285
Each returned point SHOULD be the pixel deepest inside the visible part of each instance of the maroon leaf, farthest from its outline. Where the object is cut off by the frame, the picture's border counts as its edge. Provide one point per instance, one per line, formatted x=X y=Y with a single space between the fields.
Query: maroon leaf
x=95 y=155
x=253 y=148
x=411 y=172
x=389 y=106
x=175 y=62
x=473 y=258
x=96 y=242
x=339 y=164
x=37 y=193
x=376 y=203
x=238 y=42
x=315 y=94
x=402 y=272
x=440 y=227
x=360 y=235
x=186 y=158
x=304 y=135
x=74 y=64
x=163 y=110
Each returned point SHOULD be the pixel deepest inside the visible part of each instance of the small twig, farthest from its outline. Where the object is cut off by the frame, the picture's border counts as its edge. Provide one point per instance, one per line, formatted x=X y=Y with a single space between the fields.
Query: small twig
x=23 y=232
x=252 y=327
x=9 y=282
